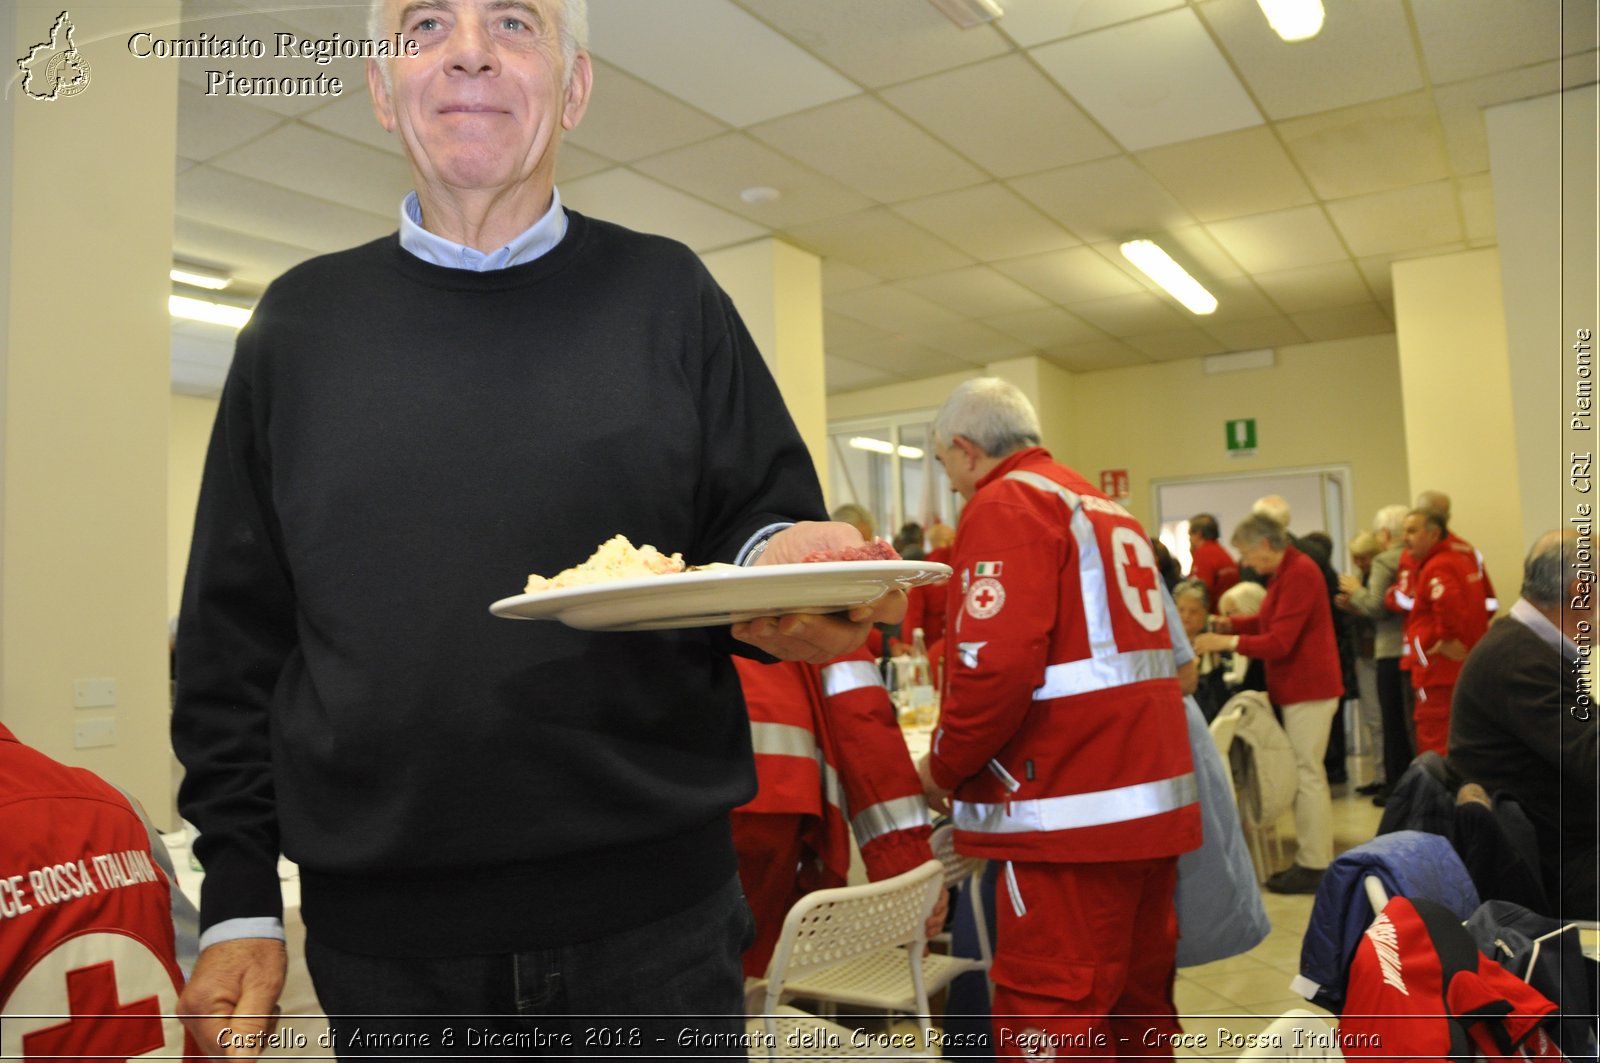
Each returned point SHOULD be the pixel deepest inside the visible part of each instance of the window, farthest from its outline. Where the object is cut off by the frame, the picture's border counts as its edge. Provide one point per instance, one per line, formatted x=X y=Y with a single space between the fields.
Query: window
x=887 y=466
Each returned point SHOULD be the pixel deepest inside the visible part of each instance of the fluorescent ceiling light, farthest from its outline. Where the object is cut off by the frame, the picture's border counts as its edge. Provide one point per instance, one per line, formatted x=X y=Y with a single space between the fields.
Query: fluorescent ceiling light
x=969 y=13
x=883 y=446
x=1159 y=267
x=204 y=310
x=1293 y=20
x=200 y=277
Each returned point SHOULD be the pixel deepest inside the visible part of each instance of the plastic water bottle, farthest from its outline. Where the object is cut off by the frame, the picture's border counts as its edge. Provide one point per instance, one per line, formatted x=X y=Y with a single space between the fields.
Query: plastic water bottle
x=924 y=701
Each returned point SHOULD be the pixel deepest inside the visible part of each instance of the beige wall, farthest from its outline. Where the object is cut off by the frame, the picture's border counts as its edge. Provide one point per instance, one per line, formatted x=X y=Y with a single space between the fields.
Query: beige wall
x=1321 y=404
x=84 y=347
x=777 y=289
x=1457 y=385
x=188 y=434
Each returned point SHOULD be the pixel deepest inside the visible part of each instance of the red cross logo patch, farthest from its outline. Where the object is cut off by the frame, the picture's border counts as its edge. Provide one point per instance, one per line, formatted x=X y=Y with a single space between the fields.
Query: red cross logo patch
x=985 y=598
x=1137 y=578
x=95 y=995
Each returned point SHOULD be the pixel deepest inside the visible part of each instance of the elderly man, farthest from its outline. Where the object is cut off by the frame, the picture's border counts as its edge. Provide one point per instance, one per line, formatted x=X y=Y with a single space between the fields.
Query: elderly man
x=1293 y=635
x=521 y=821
x=1523 y=721
x=1368 y=598
x=1447 y=620
x=1062 y=734
x=1209 y=560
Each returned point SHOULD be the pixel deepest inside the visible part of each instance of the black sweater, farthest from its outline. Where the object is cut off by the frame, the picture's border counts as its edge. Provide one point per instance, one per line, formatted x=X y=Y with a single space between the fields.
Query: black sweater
x=398 y=445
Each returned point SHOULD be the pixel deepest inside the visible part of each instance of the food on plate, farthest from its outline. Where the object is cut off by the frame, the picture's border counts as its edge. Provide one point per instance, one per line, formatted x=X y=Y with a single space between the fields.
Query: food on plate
x=876 y=550
x=616 y=559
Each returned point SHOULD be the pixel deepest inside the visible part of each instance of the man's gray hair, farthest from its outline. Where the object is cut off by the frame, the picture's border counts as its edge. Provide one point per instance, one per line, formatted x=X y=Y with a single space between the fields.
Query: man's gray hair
x=1391 y=519
x=1435 y=502
x=574 y=30
x=1553 y=563
x=1260 y=528
x=994 y=414
x=1273 y=506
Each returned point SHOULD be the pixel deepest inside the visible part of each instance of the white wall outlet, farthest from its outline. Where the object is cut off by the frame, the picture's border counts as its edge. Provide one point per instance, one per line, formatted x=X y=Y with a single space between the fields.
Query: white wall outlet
x=94 y=693
x=91 y=734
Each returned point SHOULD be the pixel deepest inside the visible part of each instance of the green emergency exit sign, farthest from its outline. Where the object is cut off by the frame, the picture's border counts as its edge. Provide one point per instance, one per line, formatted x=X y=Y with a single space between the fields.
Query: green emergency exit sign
x=1242 y=437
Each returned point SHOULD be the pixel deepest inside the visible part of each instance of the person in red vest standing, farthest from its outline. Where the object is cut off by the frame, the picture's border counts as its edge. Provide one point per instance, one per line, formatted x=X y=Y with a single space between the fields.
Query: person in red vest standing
x=89 y=953
x=1062 y=738
x=1209 y=560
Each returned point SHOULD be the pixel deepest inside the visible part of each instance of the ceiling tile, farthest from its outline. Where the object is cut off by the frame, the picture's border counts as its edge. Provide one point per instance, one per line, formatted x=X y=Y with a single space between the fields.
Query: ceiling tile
x=714 y=56
x=1399 y=220
x=1030 y=22
x=1364 y=52
x=1046 y=327
x=351 y=116
x=1229 y=175
x=627 y=198
x=975 y=291
x=1070 y=276
x=973 y=342
x=1238 y=299
x=1365 y=319
x=838 y=276
x=210 y=125
x=1376 y=270
x=892 y=309
x=1280 y=240
x=870 y=148
x=270 y=212
x=1159 y=80
x=1315 y=287
x=882 y=42
x=1098 y=354
x=844 y=375
x=572 y=162
x=1132 y=315
x=1112 y=199
x=628 y=119
x=1276 y=331
x=718 y=170
x=1477 y=206
x=959 y=108
x=1468 y=38
x=1460 y=107
x=880 y=242
x=988 y=222
x=254 y=261
x=1389 y=144
x=1175 y=344
x=906 y=358
x=840 y=331
x=325 y=166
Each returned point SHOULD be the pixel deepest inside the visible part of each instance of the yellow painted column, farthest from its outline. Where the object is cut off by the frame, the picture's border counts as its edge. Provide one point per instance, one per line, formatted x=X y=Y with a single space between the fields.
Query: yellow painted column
x=86 y=204
x=1455 y=380
x=777 y=289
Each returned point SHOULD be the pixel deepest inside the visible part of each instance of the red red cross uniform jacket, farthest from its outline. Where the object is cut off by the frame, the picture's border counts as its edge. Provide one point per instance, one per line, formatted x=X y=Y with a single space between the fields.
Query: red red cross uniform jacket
x=88 y=962
x=1216 y=568
x=1062 y=728
x=1402 y=593
x=1449 y=604
x=828 y=748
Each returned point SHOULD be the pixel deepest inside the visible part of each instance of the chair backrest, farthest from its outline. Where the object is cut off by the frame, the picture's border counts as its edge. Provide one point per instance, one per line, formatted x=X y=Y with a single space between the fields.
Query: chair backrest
x=957 y=868
x=1222 y=727
x=831 y=926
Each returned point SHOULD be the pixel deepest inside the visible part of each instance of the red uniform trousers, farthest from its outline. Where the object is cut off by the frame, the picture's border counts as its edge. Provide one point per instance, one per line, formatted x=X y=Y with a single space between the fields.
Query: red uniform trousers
x=770 y=852
x=1431 y=716
x=1085 y=956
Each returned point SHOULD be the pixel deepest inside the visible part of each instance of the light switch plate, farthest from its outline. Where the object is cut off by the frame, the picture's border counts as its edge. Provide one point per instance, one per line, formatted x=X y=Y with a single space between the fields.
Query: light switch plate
x=94 y=693
x=91 y=734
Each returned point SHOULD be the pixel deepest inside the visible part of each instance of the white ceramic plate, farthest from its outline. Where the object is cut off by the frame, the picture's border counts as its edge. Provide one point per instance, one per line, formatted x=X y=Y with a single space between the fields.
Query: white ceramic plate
x=720 y=596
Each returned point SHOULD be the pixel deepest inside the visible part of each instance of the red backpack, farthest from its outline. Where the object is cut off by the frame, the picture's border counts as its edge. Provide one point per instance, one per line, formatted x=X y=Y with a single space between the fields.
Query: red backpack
x=1420 y=990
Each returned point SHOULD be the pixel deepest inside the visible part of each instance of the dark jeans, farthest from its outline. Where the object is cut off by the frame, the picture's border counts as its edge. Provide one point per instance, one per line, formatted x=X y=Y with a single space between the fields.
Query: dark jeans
x=1397 y=748
x=670 y=988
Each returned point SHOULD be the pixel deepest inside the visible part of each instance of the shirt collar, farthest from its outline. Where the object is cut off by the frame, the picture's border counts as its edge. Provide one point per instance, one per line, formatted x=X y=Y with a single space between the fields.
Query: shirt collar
x=536 y=240
x=1536 y=622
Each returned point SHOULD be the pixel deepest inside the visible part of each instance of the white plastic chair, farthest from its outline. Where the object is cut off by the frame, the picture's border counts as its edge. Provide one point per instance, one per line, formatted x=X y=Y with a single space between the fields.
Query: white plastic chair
x=859 y=945
x=1301 y=1034
x=1222 y=727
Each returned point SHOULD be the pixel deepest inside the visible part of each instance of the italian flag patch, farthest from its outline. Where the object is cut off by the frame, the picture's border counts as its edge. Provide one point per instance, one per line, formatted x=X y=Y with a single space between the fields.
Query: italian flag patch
x=986 y=568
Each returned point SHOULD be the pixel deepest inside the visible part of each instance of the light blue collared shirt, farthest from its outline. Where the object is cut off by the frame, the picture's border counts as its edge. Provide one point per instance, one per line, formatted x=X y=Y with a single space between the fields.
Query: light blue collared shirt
x=538 y=239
